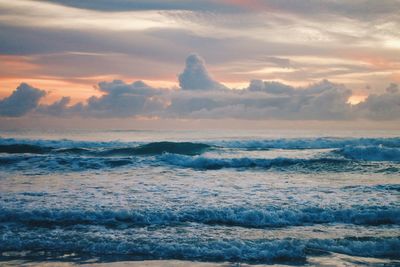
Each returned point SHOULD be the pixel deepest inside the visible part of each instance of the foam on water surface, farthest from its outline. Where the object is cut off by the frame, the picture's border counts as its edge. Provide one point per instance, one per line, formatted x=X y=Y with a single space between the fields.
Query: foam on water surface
x=252 y=200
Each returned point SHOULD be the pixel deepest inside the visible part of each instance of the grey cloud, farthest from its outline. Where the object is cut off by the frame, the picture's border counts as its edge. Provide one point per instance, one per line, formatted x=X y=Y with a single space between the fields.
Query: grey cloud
x=23 y=100
x=118 y=87
x=154 y=54
x=120 y=99
x=321 y=101
x=273 y=87
x=328 y=102
x=186 y=105
x=270 y=87
x=124 y=5
x=58 y=108
x=357 y=8
x=123 y=100
x=392 y=88
x=49 y=43
x=281 y=62
x=381 y=107
x=196 y=77
x=159 y=45
x=261 y=100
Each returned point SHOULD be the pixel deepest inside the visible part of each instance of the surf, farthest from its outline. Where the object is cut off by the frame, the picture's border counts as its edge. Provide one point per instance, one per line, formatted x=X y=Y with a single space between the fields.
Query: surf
x=228 y=216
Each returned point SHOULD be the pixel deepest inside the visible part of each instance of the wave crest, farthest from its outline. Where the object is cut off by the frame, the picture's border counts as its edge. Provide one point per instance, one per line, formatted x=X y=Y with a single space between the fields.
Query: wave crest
x=244 y=217
x=309 y=143
x=370 y=153
x=156 y=148
x=24 y=148
x=207 y=163
x=249 y=251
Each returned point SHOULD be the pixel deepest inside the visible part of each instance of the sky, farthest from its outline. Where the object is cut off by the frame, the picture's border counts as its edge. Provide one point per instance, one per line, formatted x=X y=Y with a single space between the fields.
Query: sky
x=156 y=60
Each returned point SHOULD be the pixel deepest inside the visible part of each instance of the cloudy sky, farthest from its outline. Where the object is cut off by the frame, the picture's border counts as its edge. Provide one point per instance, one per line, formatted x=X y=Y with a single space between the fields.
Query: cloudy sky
x=209 y=59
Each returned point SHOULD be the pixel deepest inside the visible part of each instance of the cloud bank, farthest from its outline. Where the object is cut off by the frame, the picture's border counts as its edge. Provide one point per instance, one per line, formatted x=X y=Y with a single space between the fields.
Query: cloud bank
x=200 y=96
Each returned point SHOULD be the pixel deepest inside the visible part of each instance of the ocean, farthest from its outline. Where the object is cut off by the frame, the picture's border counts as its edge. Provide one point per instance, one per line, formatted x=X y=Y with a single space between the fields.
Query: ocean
x=181 y=198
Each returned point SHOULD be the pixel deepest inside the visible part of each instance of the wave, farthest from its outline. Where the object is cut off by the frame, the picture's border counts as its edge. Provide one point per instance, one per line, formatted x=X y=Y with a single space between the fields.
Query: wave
x=235 y=216
x=24 y=148
x=250 y=144
x=57 y=163
x=66 y=143
x=212 y=250
x=74 y=150
x=67 y=155
x=370 y=153
x=308 y=143
x=378 y=187
x=361 y=148
x=208 y=163
x=156 y=148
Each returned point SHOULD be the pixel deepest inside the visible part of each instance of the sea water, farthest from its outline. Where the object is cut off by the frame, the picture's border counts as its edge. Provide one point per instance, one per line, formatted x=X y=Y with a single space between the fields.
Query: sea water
x=261 y=197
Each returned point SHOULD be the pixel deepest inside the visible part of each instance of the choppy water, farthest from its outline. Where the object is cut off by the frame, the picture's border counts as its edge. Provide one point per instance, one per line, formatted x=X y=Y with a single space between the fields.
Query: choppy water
x=200 y=197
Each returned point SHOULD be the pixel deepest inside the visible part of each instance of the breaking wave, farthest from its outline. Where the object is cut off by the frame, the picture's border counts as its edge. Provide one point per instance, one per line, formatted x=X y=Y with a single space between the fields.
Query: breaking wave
x=207 y=163
x=257 y=144
x=156 y=148
x=72 y=162
x=183 y=148
x=78 y=156
x=371 y=153
x=235 y=216
x=230 y=215
x=249 y=251
x=58 y=163
x=309 y=143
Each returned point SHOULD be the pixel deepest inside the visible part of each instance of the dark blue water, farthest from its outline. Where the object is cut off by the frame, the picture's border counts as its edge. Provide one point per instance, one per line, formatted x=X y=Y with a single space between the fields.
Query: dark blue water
x=210 y=198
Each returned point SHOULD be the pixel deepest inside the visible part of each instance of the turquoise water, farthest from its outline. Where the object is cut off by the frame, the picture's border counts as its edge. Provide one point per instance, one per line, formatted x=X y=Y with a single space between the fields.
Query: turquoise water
x=262 y=197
